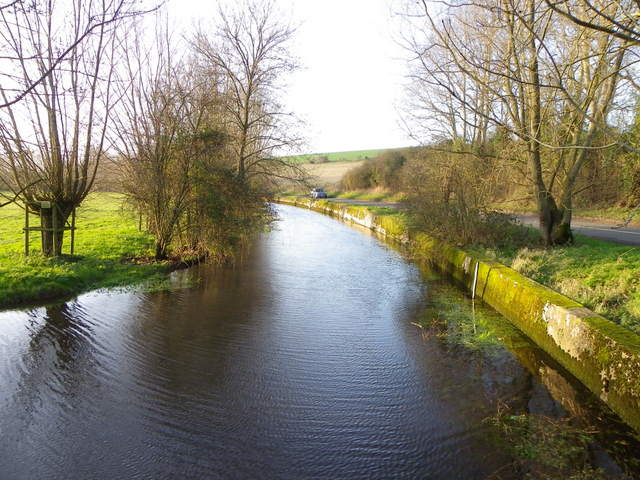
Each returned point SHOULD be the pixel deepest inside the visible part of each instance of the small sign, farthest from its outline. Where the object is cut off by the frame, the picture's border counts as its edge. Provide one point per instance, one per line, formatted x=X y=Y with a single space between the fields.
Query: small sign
x=45 y=204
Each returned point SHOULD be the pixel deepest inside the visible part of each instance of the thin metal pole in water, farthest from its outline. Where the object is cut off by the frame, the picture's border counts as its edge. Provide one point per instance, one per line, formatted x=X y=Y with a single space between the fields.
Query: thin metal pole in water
x=475 y=281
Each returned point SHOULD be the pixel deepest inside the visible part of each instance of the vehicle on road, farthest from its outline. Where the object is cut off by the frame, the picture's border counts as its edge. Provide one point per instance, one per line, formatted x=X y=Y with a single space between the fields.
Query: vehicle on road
x=318 y=193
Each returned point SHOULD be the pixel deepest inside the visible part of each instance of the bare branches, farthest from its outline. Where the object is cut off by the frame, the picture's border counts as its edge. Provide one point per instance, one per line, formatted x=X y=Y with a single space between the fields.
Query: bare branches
x=52 y=132
x=17 y=194
x=250 y=48
x=122 y=10
x=618 y=19
x=517 y=67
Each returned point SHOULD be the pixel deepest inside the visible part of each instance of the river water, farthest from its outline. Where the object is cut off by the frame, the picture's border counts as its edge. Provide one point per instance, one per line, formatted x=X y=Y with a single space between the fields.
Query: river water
x=305 y=359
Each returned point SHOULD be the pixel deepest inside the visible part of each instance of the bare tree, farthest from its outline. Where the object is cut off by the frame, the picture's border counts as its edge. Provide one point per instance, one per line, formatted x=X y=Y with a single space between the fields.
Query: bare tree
x=513 y=53
x=618 y=19
x=57 y=101
x=162 y=126
x=121 y=9
x=249 y=46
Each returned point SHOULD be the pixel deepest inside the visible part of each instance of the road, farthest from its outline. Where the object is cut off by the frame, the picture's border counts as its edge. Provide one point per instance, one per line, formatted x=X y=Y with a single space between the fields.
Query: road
x=599 y=230
x=365 y=203
x=602 y=231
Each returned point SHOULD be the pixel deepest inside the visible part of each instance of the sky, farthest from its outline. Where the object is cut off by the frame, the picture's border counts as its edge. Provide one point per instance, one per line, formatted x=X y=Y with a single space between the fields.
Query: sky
x=350 y=83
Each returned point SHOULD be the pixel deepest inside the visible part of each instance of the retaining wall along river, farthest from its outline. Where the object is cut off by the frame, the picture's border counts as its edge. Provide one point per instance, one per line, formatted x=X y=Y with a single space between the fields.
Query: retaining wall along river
x=601 y=354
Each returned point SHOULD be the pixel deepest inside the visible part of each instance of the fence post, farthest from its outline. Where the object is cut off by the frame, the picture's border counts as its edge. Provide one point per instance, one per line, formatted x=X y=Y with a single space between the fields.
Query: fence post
x=26 y=229
x=73 y=230
x=54 y=224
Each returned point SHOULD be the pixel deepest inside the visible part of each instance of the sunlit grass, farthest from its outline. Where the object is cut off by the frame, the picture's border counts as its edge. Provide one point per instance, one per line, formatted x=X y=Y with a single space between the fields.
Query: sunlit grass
x=603 y=276
x=373 y=196
x=108 y=246
x=610 y=213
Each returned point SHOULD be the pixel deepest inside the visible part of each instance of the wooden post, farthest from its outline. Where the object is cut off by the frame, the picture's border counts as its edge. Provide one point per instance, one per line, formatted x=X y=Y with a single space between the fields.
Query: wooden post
x=54 y=224
x=73 y=229
x=26 y=230
x=140 y=222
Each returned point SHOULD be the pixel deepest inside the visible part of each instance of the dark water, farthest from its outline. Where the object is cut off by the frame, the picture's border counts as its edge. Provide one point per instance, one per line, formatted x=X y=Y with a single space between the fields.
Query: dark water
x=301 y=361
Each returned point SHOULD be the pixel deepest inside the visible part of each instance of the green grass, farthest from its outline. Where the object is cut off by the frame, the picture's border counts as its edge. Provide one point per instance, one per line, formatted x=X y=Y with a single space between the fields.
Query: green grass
x=388 y=197
x=108 y=251
x=609 y=213
x=350 y=156
x=545 y=447
x=603 y=276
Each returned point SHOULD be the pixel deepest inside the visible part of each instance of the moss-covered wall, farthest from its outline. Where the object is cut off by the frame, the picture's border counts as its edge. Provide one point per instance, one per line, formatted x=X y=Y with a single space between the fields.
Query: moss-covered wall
x=602 y=355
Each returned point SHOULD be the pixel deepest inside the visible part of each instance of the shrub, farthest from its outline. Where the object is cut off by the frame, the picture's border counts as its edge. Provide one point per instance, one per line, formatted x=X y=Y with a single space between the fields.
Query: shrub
x=448 y=196
x=319 y=159
x=382 y=171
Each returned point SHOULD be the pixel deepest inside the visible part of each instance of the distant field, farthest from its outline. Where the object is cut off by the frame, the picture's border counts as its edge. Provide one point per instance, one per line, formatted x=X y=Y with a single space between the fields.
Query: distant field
x=328 y=175
x=352 y=156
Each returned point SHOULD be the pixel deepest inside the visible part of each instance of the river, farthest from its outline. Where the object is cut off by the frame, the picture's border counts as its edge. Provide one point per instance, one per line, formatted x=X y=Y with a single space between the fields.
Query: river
x=307 y=358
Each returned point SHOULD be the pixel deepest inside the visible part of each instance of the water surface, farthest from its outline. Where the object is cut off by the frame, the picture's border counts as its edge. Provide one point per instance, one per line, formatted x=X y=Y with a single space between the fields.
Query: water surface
x=302 y=360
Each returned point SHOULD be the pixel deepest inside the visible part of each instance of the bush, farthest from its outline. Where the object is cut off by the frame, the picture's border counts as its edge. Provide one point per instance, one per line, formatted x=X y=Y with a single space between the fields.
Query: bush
x=382 y=171
x=448 y=197
x=319 y=159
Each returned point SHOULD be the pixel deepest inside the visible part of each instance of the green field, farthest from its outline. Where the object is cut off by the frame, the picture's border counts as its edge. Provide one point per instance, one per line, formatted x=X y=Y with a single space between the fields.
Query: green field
x=351 y=156
x=110 y=251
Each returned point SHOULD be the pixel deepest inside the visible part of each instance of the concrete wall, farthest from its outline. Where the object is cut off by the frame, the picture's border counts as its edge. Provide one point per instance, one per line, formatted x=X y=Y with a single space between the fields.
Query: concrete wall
x=602 y=355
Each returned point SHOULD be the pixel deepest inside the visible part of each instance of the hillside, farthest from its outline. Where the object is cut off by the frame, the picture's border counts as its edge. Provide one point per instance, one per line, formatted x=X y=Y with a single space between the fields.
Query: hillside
x=349 y=156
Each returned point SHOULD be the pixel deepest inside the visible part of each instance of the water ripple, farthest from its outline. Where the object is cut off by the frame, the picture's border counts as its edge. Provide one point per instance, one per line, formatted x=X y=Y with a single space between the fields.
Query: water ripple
x=298 y=362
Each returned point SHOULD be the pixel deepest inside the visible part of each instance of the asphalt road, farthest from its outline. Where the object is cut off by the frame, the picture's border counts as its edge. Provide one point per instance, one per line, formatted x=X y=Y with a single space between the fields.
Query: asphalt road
x=609 y=232
x=365 y=203
x=602 y=231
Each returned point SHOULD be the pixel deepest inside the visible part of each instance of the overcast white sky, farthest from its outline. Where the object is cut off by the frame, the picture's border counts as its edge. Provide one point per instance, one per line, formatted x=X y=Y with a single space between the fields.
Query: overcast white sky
x=352 y=74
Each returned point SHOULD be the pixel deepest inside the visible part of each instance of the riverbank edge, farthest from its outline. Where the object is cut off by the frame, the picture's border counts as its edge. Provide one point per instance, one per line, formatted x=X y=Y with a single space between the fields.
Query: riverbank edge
x=602 y=355
x=160 y=271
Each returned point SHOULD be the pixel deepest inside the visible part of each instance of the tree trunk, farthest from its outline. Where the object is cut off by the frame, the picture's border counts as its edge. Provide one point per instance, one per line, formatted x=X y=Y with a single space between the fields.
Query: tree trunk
x=52 y=247
x=562 y=234
x=547 y=215
x=161 y=250
x=548 y=212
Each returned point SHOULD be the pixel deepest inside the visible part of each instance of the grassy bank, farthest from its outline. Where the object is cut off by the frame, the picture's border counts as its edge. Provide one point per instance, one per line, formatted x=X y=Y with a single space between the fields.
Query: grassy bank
x=603 y=276
x=615 y=215
x=373 y=196
x=108 y=252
